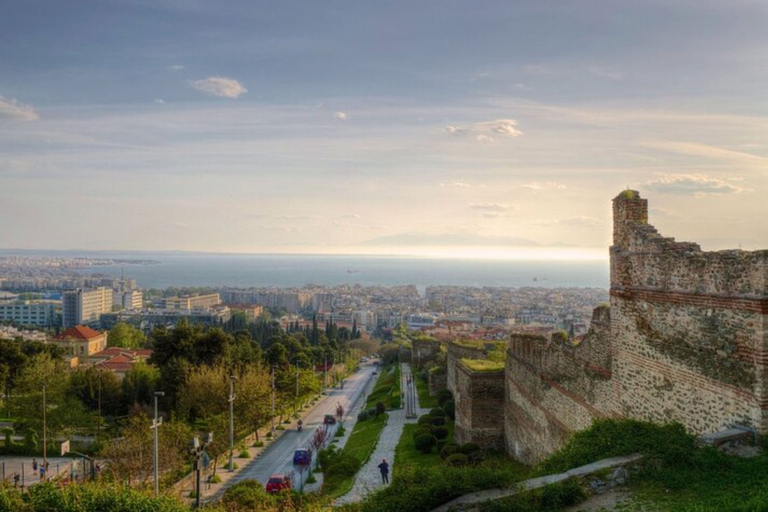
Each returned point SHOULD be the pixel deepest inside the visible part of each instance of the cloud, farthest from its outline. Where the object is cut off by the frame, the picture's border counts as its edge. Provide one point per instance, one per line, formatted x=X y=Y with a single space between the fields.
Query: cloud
x=546 y=185
x=9 y=109
x=220 y=86
x=176 y=67
x=491 y=207
x=486 y=131
x=159 y=101
x=691 y=184
x=506 y=127
x=459 y=184
x=341 y=116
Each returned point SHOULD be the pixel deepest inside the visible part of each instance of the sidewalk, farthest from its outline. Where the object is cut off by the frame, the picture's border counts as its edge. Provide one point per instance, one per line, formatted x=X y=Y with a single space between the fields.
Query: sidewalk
x=368 y=479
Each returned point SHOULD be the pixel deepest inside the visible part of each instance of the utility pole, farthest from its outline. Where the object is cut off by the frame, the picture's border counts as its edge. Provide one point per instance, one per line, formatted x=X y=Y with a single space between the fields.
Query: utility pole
x=325 y=373
x=45 y=438
x=198 y=450
x=296 y=403
x=273 y=400
x=155 y=425
x=231 y=420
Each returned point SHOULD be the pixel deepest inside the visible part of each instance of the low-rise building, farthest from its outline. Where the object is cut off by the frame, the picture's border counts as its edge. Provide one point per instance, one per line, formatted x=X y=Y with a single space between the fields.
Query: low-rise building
x=29 y=313
x=82 y=342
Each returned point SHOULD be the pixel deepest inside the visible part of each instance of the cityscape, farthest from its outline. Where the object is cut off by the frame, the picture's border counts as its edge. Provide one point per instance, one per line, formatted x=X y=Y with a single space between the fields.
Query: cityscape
x=433 y=256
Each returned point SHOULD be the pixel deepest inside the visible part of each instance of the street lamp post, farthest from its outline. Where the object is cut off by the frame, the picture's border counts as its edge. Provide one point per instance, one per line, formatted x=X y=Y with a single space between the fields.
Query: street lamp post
x=45 y=438
x=273 y=400
x=198 y=450
x=296 y=402
x=232 y=379
x=155 y=425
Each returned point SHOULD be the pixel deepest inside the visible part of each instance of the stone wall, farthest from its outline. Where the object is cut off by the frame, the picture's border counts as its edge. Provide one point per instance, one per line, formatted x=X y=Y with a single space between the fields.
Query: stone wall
x=555 y=387
x=438 y=380
x=690 y=327
x=455 y=354
x=424 y=352
x=479 y=400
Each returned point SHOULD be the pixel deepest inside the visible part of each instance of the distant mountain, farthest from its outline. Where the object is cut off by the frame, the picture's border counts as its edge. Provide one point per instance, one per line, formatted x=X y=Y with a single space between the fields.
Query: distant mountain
x=411 y=239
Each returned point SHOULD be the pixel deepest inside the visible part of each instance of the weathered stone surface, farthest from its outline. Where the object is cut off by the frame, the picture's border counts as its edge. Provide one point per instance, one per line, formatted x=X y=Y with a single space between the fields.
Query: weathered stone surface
x=479 y=407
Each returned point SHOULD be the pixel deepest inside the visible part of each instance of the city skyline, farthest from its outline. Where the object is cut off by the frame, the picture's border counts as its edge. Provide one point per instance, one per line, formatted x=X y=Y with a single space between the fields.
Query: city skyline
x=490 y=129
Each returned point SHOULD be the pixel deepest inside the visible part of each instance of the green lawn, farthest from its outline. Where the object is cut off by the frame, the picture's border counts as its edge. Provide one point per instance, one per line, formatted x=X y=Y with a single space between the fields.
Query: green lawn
x=387 y=389
x=406 y=454
x=422 y=388
x=360 y=445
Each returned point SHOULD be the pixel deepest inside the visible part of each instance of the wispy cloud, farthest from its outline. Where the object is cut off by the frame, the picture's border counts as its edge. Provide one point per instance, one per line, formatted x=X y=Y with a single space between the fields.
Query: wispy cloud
x=176 y=67
x=341 y=116
x=458 y=184
x=10 y=109
x=159 y=101
x=220 y=86
x=491 y=207
x=691 y=184
x=546 y=185
x=486 y=131
x=707 y=151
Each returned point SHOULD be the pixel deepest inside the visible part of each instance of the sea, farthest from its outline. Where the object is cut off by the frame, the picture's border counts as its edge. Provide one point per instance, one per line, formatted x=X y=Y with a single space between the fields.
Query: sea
x=265 y=270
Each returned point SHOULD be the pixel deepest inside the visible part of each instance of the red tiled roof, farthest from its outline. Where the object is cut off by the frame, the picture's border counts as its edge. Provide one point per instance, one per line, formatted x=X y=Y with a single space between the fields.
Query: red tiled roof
x=80 y=332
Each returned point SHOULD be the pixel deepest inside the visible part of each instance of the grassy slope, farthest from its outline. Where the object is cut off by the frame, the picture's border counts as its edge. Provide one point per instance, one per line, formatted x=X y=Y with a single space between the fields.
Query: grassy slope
x=422 y=388
x=387 y=389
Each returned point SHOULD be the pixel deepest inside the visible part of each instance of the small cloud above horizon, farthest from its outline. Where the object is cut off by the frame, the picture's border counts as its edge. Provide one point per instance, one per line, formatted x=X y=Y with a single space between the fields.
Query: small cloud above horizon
x=341 y=116
x=486 y=131
x=11 y=109
x=691 y=184
x=176 y=67
x=219 y=86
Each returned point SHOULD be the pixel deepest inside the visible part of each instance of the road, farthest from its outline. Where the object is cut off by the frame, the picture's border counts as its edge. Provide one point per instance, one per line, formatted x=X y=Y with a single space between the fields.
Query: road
x=278 y=457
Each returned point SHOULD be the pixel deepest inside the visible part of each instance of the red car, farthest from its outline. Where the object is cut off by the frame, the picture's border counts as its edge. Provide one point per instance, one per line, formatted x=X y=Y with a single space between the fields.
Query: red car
x=278 y=483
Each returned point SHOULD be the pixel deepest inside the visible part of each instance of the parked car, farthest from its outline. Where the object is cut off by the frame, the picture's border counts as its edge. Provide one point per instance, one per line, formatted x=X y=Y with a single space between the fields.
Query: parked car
x=277 y=483
x=329 y=419
x=301 y=458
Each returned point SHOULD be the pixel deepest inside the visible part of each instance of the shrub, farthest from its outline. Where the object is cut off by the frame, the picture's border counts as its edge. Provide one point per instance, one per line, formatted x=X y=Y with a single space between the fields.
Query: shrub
x=472 y=451
x=437 y=412
x=443 y=396
x=311 y=479
x=269 y=435
x=340 y=432
x=371 y=412
x=425 y=442
x=425 y=420
x=245 y=454
x=214 y=479
x=421 y=431
x=450 y=409
x=441 y=433
x=247 y=495
x=438 y=422
x=279 y=427
x=457 y=459
x=448 y=449
x=440 y=444
x=380 y=409
x=362 y=416
x=258 y=444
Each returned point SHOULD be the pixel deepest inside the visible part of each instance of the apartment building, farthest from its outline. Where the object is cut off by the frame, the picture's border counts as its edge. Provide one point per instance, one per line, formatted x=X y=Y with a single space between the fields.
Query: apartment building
x=84 y=306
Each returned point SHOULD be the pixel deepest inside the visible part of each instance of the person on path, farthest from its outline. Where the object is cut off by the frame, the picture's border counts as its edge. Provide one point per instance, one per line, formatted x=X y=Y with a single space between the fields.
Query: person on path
x=34 y=464
x=384 y=468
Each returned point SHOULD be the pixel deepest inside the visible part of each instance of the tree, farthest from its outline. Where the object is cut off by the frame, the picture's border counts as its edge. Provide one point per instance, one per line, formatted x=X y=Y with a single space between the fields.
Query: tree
x=140 y=384
x=97 y=389
x=125 y=336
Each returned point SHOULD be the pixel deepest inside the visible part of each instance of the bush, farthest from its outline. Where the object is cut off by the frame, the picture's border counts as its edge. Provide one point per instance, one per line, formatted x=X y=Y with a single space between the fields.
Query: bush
x=443 y=396
x=214 y=479
x=311 y=479
x=245 y=454
x=362 y=416
x=437 y=412
x=425 y=442
x=448 y=449
x=258 y=444
x=472 y=451
x=247 y=495
x=425 y=420
x=371 y=412
x=420 y=431
x=441 y=433
x=380 y=409
x=340 y=432
x=438 y=422
x=457 y=459
x=450 y=409
x=440 y=444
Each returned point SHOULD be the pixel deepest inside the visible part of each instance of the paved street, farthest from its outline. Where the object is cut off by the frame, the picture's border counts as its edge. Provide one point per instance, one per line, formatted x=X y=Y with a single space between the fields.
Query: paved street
x=369 y=478
x=278 y=456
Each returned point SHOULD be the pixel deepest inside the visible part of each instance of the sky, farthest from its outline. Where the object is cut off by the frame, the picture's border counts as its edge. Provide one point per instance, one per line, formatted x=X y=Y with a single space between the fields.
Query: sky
x=483 y=128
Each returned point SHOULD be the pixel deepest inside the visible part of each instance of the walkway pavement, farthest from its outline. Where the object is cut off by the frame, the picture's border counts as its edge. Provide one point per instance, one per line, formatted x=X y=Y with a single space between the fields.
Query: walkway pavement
x=368 y=479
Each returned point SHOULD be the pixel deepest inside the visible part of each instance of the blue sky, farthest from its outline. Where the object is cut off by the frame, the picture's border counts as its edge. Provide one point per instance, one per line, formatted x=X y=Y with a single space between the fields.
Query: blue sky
x=368 y=126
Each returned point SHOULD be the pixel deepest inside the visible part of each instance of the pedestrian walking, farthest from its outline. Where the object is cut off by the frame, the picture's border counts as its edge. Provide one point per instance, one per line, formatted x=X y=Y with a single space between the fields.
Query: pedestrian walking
x=15 y=479
x=34 y=464
x=384 y=468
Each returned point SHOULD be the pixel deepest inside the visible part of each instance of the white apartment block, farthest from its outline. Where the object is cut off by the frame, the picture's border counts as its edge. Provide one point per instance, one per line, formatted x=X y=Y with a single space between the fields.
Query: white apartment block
x=128 y=299
x=29 y=313
x=83 y=306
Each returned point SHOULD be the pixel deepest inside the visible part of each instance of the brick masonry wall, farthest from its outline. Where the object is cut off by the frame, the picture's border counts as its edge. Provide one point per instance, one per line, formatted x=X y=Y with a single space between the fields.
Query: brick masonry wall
x=438 y=381
x=455 y=354
x=479 y=407
x=555 y=387
x=424 y=352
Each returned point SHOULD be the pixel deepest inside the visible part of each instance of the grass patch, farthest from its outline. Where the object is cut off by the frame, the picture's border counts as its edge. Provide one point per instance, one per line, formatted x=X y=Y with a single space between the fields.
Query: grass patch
x=551 y=498
x=408 y=457
x=422 y=388
x=360 y=446
x=387 y=388
x=483 y=365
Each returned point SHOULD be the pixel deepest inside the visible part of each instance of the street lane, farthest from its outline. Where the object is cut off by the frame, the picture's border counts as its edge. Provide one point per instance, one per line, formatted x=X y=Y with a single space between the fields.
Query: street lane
x=277 y=458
